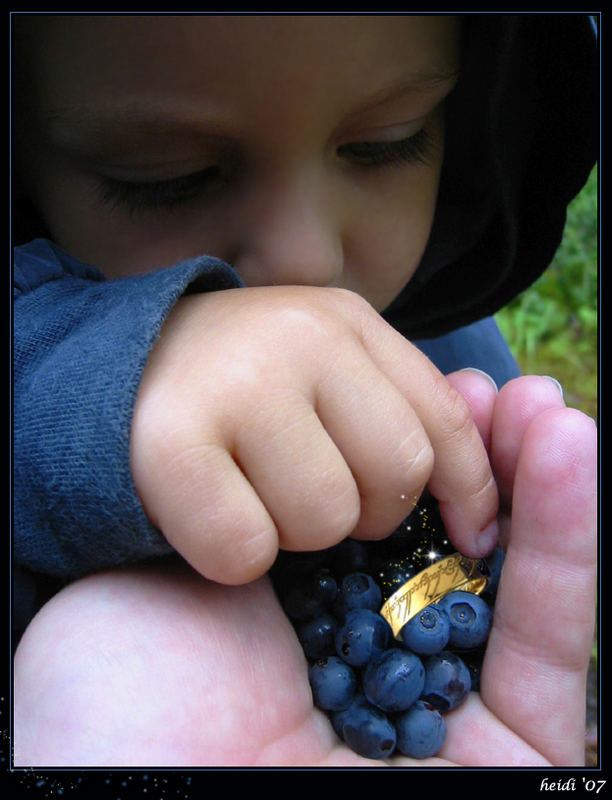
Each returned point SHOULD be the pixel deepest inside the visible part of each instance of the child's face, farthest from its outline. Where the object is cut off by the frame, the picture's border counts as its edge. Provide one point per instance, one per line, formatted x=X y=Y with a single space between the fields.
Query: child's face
x=300 y=149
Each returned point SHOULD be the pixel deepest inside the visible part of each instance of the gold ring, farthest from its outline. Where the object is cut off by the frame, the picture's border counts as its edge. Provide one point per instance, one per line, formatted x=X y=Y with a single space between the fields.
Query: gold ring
x=456 y=572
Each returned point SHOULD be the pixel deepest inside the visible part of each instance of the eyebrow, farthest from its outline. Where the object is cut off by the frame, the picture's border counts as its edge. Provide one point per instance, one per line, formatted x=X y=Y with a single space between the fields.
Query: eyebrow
x=76 y=127
x=138 y=119
x=417 y=83
x=136 y=116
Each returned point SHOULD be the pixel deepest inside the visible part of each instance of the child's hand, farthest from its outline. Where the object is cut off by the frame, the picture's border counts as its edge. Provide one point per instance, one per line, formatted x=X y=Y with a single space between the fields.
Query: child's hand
x=295 y=416
x=186 y=672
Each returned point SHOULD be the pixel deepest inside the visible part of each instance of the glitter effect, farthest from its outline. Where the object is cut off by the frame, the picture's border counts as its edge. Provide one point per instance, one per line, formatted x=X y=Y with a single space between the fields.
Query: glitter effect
x=417 y=543
x=150 y=784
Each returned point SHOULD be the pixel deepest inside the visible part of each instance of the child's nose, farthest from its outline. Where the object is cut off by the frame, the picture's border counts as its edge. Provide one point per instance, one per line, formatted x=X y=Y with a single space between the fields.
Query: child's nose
x=291 y=234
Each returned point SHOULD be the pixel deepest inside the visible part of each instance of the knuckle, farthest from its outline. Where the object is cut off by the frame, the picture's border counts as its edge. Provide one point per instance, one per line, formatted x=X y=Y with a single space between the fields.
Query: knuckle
x=304 y=333
x=456 y=421
x=422 y=462
x=355 y=309
x=342 y=515
x=327 y=518
x=232 y=549
x=348 y=298
x=484 y=491
x=246 y=557
x=415 y=457
x=364 y=319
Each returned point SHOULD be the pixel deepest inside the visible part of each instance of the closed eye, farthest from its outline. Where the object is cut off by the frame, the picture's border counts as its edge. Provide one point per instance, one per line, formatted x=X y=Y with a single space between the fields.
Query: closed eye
x=414 y=149
x=151 y=195
x=165 y=194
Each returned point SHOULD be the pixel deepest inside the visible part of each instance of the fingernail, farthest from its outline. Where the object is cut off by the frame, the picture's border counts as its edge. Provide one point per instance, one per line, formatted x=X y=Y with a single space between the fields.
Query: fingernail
x=487 y=538
x=480 y=372
x=556 y=382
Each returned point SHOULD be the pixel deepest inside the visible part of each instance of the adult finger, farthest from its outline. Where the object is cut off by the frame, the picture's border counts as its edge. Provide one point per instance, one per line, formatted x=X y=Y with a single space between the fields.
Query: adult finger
x=518 y=403
x=535 y=668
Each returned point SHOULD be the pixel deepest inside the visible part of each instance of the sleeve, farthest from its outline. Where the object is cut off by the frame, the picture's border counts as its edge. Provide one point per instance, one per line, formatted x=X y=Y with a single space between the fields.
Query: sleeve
x=479 y=345
x=80 y=346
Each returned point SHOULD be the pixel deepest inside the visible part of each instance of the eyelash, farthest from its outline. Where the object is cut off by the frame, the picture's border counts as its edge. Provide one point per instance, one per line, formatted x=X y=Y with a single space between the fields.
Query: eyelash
x=166 y=194
x=152 y=195
x=413 y=150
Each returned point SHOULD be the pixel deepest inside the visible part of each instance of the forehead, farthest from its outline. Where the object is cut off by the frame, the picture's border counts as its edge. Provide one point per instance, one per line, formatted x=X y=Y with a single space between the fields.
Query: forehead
x=233 y=58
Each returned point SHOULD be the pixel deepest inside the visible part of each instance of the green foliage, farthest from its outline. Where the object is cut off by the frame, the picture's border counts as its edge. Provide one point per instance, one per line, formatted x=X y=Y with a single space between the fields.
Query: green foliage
x=552 y=327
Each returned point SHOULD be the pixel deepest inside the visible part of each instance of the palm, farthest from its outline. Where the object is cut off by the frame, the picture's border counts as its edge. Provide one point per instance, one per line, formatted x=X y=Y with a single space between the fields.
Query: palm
x=168 y=669
x=229 y=688
x=261 y=711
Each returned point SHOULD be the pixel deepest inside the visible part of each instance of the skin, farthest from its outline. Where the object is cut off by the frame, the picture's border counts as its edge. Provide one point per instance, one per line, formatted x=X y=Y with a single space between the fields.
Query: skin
x=278 y=446
x=158 y=640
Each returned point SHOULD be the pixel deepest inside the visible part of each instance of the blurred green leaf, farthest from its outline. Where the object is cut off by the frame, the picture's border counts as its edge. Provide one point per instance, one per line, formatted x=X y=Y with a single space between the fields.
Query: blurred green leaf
x=552 y=327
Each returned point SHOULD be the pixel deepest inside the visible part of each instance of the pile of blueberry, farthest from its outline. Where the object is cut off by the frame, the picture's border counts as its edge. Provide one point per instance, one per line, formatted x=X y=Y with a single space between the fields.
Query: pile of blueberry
x=383 y=694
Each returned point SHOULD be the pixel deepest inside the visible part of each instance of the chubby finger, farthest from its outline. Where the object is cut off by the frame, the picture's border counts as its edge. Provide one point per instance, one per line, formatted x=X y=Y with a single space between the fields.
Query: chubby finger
x=236 y=543
x=298 y=473
x=462 y=480
x=535 y=668
x=518 y=403
x=382 y=439
x=337 y=461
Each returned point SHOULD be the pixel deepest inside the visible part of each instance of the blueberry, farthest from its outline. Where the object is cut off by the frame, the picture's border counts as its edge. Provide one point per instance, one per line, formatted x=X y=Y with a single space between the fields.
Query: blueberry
x=470 y=619
x=447 y=681
x=421 y=730
x=333 y=683
x=348 y=556
x=317 y=636
x=290 y=568
x=337 y=717
x=368 y=731
x=358 y=590
x=393 y=680
x=427 y=632
x=310 y=594
x=363 y=635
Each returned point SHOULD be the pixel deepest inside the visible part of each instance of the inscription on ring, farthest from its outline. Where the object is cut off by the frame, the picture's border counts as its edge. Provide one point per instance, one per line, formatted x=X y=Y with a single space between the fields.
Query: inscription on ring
x=430 y=585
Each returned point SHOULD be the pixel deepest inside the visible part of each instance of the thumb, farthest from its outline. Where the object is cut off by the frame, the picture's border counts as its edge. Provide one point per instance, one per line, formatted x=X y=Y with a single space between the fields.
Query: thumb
x=539 y=647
